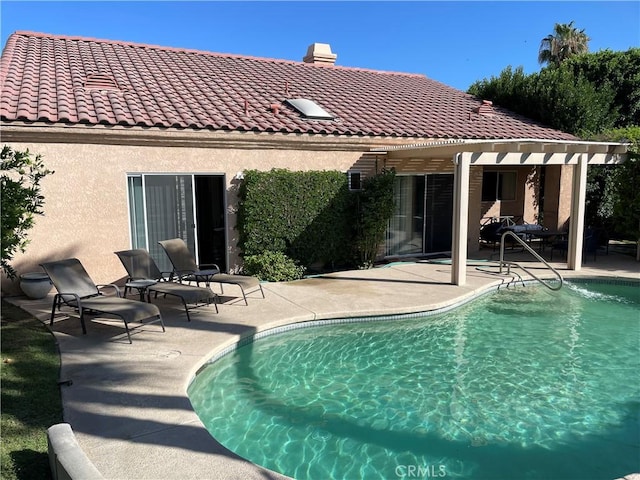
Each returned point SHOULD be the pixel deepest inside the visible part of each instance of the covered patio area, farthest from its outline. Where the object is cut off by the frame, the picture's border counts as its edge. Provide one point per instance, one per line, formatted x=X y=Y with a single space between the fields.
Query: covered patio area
x=573 y=157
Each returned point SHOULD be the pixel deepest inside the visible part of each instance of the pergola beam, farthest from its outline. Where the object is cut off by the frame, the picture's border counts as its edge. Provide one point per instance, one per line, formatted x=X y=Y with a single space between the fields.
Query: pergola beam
x=539 y=158
x=599 y=152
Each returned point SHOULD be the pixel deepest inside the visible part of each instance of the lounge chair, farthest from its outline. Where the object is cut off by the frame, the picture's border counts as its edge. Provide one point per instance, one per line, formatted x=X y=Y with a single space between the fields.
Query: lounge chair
x=76 y=289
x=141 y=267
x=186 y=269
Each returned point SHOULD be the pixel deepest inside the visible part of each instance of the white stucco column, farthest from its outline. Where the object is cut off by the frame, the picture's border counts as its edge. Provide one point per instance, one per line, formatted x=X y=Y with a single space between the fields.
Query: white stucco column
x=576 y=225
x=460 y=227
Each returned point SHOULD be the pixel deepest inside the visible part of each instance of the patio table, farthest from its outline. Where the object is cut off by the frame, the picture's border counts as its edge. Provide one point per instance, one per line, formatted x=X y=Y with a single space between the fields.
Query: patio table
x=141 y=286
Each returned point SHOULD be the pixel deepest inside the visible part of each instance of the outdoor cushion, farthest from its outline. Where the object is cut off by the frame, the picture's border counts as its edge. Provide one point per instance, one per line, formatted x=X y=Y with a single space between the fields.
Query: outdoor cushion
x=527 y=228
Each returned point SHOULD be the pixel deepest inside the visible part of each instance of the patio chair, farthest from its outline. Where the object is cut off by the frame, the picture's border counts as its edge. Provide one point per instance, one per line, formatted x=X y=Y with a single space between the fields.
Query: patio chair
x=77 y=290
x=141 y=268
x=590 y=245
x=186 y=269
x=562 y=245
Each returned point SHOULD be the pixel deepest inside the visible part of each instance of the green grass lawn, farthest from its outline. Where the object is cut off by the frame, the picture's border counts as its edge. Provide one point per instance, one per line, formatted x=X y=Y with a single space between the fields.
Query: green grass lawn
x=30 y=394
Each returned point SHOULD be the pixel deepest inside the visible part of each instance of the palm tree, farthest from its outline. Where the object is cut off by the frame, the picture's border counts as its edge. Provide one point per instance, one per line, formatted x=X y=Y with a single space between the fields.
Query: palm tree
x=566 y=41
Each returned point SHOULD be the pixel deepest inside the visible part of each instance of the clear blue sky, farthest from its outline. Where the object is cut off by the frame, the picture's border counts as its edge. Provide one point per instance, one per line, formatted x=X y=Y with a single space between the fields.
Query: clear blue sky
x=456 y=43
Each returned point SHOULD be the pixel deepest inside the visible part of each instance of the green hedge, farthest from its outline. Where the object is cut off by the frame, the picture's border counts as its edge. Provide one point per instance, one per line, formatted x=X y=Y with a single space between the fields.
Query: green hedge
x=312 y=217
x=306 y=215
x=375 y=207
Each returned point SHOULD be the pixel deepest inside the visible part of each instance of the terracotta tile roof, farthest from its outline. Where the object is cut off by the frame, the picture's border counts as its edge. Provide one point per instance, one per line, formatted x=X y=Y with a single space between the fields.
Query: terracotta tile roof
x=62 y=79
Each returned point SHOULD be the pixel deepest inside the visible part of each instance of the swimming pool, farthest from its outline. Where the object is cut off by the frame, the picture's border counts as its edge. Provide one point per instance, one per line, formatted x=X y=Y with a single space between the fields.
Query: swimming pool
x=522 y=383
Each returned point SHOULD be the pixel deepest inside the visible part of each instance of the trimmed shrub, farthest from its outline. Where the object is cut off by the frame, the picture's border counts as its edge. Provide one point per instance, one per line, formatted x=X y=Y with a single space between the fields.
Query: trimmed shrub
x=272 y=266
x=375 y=208
x=312 y=218
x=306 y=215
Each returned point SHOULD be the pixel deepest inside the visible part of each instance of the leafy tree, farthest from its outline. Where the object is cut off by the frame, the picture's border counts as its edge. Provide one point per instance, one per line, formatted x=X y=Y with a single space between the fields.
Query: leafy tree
x=509 y=89
x=586 y=95
x=554 y=97
x=571 y=103
x=617 y=71
x=21 y=201
x=565 y=42
x=616 y=200
x=600 y=200
x=594 y=96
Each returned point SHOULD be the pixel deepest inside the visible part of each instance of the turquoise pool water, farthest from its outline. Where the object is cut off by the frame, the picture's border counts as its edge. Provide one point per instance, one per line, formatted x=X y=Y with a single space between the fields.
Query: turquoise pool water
x=520 y=384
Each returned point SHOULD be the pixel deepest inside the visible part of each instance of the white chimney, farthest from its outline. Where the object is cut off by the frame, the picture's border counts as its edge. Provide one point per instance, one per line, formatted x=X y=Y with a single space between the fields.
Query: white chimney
x=320 y=53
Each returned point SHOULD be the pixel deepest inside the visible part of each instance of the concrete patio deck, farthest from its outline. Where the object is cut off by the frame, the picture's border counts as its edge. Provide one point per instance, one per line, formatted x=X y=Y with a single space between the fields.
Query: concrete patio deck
x=127 y=403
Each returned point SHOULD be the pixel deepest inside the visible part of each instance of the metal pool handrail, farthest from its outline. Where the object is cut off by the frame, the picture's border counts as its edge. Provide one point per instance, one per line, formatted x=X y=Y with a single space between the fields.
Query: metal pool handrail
x=533 y=252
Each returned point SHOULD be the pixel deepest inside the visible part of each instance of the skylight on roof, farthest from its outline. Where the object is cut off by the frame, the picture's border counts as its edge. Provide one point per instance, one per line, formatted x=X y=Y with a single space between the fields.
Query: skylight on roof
x=309 y=109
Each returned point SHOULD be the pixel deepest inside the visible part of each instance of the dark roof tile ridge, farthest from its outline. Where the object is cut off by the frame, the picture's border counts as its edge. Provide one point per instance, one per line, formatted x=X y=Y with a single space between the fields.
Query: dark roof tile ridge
x=364 y=69
x=28 y=33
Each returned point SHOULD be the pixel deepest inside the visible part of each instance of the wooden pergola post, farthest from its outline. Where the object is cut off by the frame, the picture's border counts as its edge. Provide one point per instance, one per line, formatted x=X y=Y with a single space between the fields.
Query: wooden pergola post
x=459 y=247
x=578 y=202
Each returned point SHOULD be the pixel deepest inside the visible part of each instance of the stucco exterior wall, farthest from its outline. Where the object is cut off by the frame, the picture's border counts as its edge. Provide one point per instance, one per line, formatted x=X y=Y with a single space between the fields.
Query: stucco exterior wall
x=557 y=197
x=558 y=181
x=531 y=197
x=475 y=213
x=86 y=210
x=563 y=203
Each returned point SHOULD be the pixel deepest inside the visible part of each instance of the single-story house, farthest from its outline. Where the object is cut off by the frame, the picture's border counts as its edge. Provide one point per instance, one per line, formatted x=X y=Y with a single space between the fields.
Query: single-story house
x=150 y=142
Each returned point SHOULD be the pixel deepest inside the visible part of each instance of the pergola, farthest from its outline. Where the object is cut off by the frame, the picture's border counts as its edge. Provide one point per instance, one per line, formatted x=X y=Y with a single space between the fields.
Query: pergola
x=512 y=152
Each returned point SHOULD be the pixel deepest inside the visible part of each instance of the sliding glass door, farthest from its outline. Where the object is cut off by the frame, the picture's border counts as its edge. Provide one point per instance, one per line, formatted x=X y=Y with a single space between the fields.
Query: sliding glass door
x=178 y=206
x=439 y=213
x=405 y=234
x=422 y=219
